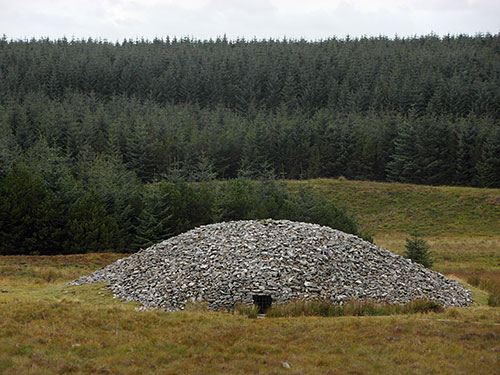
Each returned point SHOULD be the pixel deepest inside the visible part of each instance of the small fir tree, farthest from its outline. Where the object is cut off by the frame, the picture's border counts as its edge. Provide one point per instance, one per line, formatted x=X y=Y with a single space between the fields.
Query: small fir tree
x=418 y=250
x=154 y=220
x=89 y=228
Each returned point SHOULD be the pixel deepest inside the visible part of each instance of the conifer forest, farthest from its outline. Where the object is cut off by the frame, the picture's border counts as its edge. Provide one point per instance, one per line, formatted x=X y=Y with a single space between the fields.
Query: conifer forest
x=113 y=146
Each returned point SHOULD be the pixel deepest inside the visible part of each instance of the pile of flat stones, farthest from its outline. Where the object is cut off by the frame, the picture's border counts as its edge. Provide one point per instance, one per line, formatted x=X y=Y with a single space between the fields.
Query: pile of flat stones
x=226 y=263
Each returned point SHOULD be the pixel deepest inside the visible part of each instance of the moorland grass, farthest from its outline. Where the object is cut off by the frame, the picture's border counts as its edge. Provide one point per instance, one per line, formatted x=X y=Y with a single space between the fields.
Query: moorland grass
x=20 y=269
x=492 y=285
x=353 y=307
x=401 y=208
x=50 y=328
x=55 y=329
x=47 y=327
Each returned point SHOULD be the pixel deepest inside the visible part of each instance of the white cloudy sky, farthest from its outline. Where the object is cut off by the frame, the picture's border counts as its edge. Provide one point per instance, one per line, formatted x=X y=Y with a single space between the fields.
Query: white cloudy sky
x=310 y=19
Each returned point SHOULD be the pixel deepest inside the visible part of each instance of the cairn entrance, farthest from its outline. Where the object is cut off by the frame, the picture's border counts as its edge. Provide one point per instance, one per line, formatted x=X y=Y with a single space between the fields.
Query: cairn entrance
x=263 y=302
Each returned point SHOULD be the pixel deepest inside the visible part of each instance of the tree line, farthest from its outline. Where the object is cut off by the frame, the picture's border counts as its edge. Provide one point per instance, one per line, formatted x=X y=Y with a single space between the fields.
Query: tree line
x=45 y=209
x=450 y=75
x=422 y=110
x=112 y=146
x=185 y=141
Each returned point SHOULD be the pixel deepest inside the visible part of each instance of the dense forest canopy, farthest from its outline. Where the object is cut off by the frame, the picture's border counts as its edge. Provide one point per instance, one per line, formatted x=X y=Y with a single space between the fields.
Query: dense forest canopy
x=423 y=110
x=91 y=131
x=455 y=76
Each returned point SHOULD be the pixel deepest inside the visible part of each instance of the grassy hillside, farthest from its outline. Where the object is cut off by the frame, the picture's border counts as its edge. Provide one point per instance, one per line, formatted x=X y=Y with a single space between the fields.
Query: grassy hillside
x=383 y=208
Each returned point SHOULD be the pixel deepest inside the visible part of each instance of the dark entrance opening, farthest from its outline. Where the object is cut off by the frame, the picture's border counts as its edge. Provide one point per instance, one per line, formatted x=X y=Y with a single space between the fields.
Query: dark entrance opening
x=263 y=302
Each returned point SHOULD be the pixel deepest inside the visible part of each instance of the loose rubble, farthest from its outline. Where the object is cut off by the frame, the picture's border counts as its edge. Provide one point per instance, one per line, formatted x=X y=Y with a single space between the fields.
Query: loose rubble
x=226 y=263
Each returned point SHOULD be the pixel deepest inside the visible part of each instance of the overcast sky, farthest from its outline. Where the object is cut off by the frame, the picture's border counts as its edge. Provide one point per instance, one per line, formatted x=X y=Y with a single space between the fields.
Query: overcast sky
x=311 y=19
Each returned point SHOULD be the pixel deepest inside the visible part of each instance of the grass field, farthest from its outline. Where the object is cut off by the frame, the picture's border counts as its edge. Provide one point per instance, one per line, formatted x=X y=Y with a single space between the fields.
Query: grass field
x=49 y=328
x=386 y=208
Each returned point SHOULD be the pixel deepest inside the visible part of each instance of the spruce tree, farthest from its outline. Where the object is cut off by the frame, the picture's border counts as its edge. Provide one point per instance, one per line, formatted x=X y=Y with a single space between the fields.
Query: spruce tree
x=119 y=191
x=467 y=155
x=29 y=214
x=403 y=166
x=489 y=168
x=90 y=229
x=418 y=250
x=153 y=221
x=203 y=171
x=9 y=150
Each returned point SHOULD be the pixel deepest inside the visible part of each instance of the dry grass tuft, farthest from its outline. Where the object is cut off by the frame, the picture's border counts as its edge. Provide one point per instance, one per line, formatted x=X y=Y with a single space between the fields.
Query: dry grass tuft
x=250 y=311
x=489 y=282
x=354 y=307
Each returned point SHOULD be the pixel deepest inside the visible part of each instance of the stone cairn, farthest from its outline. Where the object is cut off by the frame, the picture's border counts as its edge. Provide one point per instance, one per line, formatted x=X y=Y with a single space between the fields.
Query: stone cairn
x=226 y=263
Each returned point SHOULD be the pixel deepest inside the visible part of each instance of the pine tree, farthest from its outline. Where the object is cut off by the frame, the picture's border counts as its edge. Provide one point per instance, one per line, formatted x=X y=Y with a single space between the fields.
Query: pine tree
x=309 y=207
x=140 y=155
x=368 y=158
x=119 y=191
x=29 y=214
x=9 y=150
x=418 y=250
x=489 y=167
x=403 y=166
x=204 y=170
x=90 y=229
x=436 y=154
x=255 y=163
x=467 y=155
x=234 y=200
x=154 y=219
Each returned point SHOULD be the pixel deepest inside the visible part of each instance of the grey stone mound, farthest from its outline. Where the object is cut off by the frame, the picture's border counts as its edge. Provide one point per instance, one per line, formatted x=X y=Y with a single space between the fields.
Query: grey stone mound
x=226 y=263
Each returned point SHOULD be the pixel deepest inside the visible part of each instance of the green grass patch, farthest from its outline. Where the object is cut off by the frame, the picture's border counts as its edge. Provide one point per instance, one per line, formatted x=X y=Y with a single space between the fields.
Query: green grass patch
x=326 y=308
x=488 y=283
x=394 y=207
